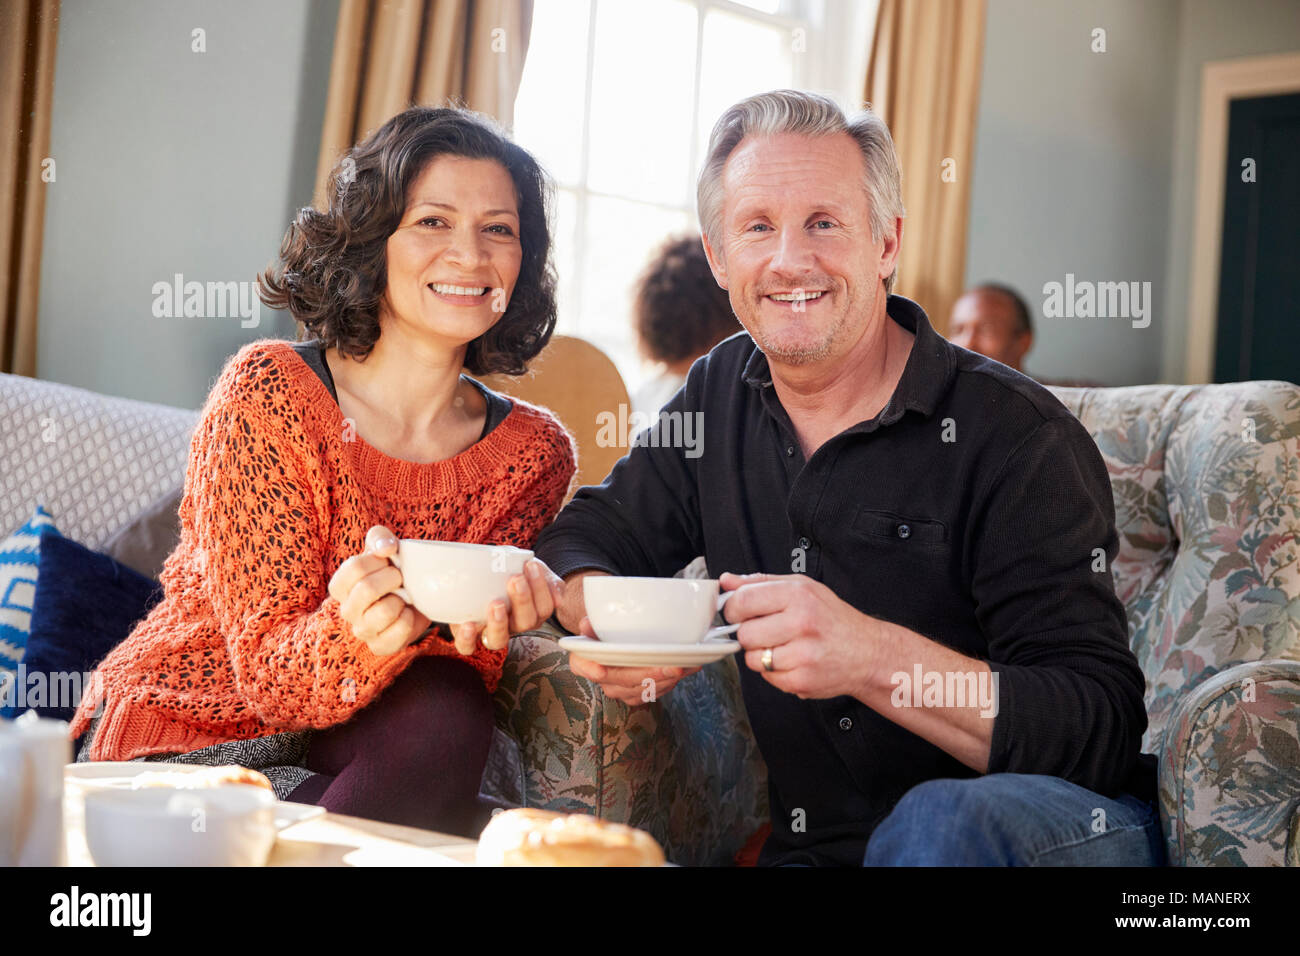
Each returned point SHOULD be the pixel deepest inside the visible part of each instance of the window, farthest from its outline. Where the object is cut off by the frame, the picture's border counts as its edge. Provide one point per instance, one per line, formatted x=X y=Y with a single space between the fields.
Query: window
x=617 y=102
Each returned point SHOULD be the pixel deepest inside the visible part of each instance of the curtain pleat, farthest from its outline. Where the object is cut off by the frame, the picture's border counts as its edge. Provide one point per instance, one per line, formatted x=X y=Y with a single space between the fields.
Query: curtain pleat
x=391 y=54
x=923 y=79
x=28 y=41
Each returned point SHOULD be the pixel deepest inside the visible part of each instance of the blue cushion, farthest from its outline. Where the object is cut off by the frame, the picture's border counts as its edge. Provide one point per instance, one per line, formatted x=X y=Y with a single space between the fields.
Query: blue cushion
x=19 y=554
x=86 y=605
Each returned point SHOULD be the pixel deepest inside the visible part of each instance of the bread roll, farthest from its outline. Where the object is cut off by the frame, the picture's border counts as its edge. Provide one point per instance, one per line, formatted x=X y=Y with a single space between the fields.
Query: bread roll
x=200 y=779
x=528 y=837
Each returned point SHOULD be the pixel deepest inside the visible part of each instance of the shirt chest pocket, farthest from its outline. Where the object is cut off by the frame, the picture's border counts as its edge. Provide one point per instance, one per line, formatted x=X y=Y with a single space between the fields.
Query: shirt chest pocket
x=899 y=567
x=900 y=533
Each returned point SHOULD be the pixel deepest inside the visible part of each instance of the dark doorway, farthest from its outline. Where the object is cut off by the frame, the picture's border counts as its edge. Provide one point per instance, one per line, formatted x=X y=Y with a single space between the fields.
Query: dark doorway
x=1259 y=279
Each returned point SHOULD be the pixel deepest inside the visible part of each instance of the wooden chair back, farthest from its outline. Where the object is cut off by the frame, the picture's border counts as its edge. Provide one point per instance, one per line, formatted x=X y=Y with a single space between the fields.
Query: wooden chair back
x=577 y=382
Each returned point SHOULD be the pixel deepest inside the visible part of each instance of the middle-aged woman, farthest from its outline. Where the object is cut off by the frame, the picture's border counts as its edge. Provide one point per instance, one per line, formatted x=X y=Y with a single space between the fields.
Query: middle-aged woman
x=279 y=644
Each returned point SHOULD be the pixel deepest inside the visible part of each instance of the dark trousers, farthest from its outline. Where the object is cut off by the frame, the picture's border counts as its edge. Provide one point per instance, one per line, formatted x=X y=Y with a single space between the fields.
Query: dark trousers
x=414 y=756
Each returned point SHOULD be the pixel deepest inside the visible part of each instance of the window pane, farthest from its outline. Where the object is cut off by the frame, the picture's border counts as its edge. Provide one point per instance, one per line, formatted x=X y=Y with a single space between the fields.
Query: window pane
x=642 y=84
x=767 y=6
x=564 y=252
x=548 y=109
x=740 y=58
x=621 y=236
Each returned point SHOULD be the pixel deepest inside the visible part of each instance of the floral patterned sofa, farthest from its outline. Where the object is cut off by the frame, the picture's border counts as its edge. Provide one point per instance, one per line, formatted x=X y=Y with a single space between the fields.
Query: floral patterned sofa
x=1207 y=500
x=1207 y=495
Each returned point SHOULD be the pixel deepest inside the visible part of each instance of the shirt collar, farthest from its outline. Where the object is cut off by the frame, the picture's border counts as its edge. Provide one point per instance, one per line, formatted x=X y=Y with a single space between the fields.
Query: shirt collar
x=925 y=379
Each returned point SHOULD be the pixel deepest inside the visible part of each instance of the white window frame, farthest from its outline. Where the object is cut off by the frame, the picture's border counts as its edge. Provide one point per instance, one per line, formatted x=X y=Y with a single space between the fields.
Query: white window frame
x=831 y=64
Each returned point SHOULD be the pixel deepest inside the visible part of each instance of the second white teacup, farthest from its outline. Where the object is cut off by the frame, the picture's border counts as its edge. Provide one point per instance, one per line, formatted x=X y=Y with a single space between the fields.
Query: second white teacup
x=230 y=825
x=653 y=610
x=452 y=581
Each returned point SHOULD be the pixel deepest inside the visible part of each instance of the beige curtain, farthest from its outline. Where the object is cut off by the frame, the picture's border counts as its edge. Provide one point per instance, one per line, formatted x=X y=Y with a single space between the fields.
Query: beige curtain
x=390 y=54
x=28 y=39
x=923 y=78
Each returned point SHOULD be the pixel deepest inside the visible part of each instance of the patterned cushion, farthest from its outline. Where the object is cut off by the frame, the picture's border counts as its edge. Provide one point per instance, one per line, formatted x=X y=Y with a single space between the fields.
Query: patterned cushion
x=93 y=460
x=20 y=555
x=86 y=605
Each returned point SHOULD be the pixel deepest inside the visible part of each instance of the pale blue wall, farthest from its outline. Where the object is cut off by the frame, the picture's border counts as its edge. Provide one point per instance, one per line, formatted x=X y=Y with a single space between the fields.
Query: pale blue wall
x=172 y=161
x=1072 y=171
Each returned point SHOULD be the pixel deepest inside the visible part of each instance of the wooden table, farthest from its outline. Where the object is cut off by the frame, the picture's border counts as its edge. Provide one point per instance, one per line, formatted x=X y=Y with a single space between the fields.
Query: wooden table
x=333 y=839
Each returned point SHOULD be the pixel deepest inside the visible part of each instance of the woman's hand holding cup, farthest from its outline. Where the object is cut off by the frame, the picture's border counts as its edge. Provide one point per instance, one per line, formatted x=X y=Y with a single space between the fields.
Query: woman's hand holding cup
x=364 y=585
x=533 y=598
x=373 y=596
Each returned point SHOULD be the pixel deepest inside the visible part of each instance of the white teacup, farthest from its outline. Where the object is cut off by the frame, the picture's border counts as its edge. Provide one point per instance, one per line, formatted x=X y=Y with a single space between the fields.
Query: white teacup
x=33 y=752
x=453 y=582
x=654 y=610
x=231 y=825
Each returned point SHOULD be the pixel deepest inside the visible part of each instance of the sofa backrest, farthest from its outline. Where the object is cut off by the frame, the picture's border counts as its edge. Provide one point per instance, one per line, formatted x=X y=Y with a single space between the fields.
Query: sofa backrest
x=1207 y=505
x=94 y=461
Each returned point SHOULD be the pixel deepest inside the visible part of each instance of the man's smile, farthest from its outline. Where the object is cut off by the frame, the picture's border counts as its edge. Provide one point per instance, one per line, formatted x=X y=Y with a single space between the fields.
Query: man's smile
x=798 y=299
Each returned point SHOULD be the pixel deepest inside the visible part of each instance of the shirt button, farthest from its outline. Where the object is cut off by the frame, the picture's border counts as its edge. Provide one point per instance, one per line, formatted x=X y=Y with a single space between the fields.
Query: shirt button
x=904 y=531
x=804 y=543
x=789 y=451
x=846 y=723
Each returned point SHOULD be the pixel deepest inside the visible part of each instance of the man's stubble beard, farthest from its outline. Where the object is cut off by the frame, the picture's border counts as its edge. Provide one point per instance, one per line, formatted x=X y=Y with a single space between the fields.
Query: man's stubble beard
x=801 y=356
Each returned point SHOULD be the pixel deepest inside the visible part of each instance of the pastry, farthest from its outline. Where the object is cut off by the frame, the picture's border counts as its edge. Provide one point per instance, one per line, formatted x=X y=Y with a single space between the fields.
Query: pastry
x=530 y=837
x=200 y=779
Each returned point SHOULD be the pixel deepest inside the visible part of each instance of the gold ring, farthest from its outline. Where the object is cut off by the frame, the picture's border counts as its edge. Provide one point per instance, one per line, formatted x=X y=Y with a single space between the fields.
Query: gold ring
x=767 y=660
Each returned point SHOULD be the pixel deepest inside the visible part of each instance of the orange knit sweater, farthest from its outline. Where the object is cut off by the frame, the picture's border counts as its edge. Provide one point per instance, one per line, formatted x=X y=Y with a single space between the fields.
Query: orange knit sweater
x=279 y=491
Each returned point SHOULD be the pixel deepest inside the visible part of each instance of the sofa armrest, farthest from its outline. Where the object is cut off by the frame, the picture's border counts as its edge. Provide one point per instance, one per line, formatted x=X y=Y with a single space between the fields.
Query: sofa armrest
x=1230 y=769
x=684 y=768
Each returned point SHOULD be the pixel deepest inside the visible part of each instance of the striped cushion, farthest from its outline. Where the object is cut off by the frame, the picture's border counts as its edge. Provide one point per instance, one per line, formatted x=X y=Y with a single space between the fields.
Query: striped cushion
x=19 y=556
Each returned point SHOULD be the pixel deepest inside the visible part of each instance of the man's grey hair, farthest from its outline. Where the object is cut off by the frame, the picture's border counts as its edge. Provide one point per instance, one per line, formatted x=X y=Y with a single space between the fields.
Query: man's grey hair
x=806 y=114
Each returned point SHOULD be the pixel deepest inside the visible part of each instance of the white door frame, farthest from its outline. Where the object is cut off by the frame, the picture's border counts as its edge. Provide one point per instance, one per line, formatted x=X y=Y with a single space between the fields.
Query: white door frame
x=1221 y=82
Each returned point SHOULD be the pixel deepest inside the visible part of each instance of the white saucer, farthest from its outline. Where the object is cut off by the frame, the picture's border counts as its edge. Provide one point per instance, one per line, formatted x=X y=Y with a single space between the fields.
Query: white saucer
x=649 y=655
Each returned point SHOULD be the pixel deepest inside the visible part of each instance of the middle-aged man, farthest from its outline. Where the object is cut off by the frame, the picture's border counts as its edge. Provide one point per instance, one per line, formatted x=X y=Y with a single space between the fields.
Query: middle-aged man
x=945 y=517
x=993 y=320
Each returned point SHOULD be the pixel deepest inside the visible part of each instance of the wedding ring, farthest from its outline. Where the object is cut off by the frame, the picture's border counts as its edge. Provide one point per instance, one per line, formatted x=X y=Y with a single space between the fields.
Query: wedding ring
x=767 y=660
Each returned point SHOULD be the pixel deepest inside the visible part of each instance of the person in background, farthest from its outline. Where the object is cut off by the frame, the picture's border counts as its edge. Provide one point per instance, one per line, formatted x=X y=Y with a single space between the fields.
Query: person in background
x=993 y=320
x=681 y=313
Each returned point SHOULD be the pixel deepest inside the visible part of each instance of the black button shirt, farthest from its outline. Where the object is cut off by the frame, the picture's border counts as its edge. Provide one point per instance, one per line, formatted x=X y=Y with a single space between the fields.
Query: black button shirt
x=969 y=510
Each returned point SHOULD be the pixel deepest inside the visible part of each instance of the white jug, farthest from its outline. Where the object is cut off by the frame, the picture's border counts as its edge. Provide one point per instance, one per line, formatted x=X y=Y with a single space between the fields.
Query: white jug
x=33 y=753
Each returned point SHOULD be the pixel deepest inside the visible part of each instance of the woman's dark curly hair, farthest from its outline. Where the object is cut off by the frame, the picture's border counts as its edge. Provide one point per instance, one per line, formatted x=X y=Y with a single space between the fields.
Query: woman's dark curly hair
x=332 y=269
x=681 y=312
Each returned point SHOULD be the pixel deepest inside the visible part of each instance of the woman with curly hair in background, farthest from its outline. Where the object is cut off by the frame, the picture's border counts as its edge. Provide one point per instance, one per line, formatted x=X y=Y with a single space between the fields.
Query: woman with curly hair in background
x=680 y=314
x=279 y=643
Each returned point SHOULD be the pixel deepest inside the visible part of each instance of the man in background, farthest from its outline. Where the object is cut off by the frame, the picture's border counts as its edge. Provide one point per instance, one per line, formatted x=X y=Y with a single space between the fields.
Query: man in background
x=993 y=320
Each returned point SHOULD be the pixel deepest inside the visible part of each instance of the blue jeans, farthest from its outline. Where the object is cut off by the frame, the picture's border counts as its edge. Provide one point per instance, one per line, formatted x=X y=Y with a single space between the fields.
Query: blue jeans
x=1016 y=819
